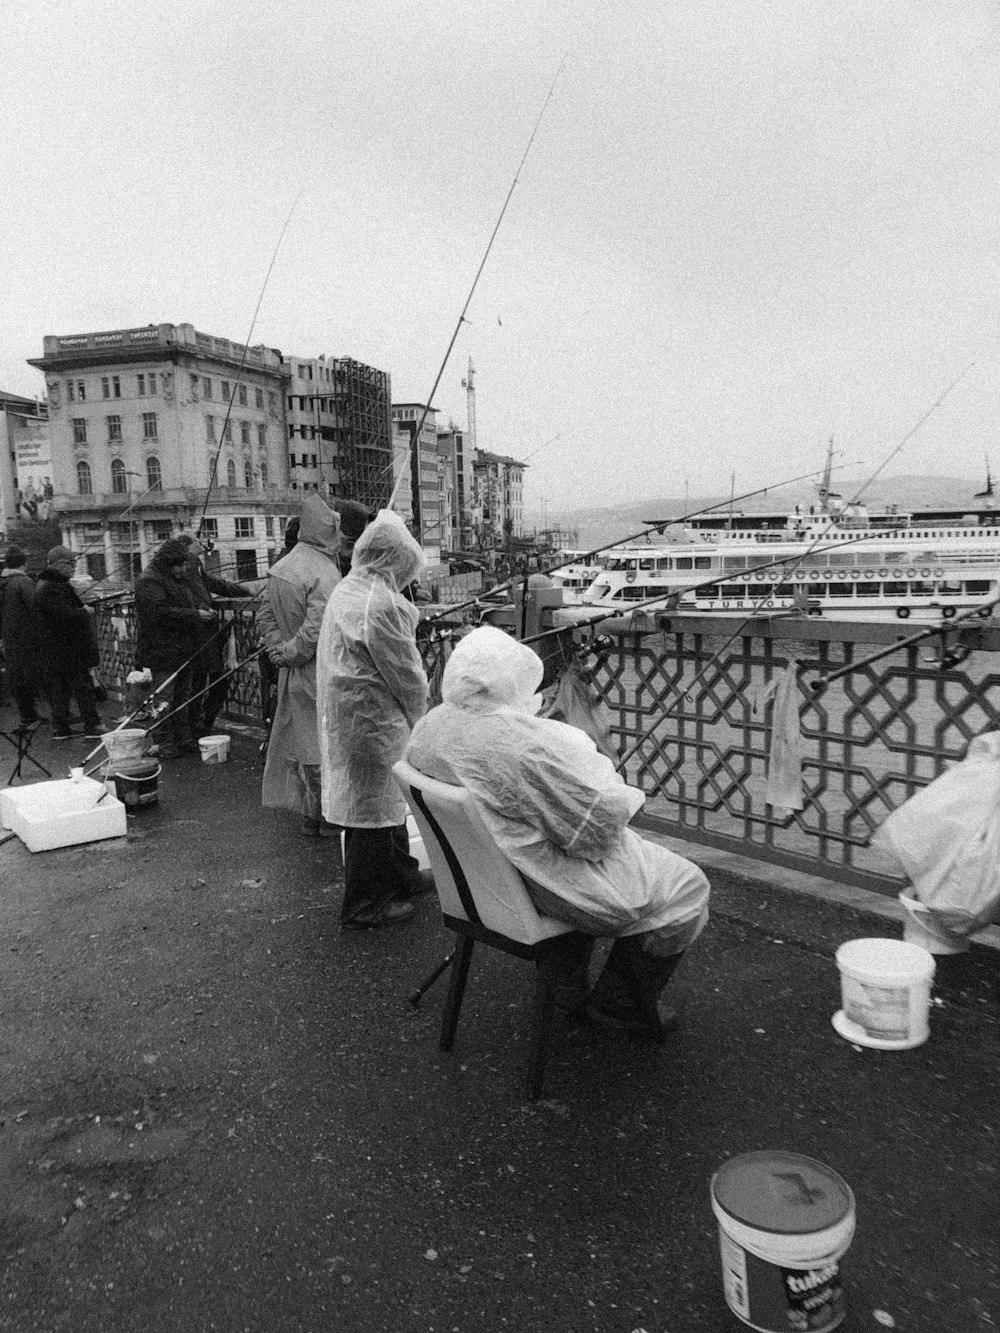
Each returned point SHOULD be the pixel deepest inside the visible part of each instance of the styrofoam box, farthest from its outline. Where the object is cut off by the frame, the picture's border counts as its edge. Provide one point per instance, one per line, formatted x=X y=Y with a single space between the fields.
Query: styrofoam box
x=45 y=815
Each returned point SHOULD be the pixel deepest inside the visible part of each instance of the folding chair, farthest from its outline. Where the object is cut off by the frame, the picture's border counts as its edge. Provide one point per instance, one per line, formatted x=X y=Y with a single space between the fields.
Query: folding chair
x=21 y=738
x=483 y=899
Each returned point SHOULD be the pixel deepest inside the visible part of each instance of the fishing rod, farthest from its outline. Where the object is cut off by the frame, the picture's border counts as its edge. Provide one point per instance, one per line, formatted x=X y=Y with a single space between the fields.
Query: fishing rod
x=657 y=527
x=243 y=361
x=181 y=707
x=482 y=265
x=820 y=685
x=816 y=548
x=913 y=430
x=223 y=628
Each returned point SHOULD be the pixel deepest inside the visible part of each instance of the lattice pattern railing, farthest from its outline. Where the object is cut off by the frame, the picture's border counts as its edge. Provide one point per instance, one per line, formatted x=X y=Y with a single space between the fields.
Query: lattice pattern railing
x=688 y=702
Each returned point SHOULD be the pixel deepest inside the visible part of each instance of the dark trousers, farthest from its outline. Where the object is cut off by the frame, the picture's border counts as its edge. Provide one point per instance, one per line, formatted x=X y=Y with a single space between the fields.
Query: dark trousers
x=203 y=712
x=377 y=868
x=24 y=697
x=61 y=687
x=178 y=729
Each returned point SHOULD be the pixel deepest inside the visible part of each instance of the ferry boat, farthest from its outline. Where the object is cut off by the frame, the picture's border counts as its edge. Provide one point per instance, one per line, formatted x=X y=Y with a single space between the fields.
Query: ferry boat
x=576 y=577
x=835 y=560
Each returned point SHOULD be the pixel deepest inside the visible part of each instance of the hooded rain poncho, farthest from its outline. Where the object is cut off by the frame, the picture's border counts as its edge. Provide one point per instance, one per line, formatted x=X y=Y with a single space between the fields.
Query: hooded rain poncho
x=371 y=685
x=556 y=807
x=289 y=619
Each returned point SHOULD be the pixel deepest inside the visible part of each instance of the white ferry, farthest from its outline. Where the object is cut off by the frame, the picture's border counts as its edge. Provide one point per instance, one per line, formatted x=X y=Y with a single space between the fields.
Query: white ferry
x=835 y=560
x=576 y=577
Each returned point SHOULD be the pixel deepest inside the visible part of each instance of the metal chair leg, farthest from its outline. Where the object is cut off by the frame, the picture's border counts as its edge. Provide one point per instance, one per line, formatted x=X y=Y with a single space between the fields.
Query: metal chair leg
x=456 y=990
x=429 y=981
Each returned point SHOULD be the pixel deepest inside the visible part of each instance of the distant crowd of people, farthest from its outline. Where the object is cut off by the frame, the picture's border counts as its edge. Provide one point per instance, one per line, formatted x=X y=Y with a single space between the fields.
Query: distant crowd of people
x=347 y=697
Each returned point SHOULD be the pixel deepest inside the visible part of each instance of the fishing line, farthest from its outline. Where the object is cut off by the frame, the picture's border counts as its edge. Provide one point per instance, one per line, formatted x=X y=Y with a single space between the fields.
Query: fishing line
x=910 y=433
x=243 y=360
x=482 y=265
x=657 y=527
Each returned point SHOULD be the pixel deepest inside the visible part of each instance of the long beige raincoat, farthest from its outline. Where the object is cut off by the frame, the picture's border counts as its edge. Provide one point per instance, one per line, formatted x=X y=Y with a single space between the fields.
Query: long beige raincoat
x=289 y=621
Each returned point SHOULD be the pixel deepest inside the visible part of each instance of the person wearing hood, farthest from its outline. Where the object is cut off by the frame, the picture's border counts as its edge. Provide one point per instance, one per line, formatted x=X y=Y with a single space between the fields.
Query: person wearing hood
x=559 y=811
x=168 y=633
x=291 y=613
x=371 y=689
x=67 y=646
x=354 y=518
x=210 y=664
x=19 y=635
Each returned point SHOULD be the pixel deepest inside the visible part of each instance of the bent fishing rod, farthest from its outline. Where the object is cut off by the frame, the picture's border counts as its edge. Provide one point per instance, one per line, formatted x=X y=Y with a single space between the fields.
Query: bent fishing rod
x=181 y=708
x=239 y=373
x=479 y=271
x=223 y=628
x=657 y=527
x=815 y=548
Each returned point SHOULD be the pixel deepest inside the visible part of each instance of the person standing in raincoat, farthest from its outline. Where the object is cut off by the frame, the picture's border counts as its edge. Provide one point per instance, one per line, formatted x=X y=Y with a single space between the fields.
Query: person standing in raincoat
x=298 y=588
x=371 y=689
x=559 y=811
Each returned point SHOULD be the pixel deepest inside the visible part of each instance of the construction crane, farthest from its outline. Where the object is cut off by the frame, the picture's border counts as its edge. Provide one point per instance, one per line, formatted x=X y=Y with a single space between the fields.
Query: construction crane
x=469 y=385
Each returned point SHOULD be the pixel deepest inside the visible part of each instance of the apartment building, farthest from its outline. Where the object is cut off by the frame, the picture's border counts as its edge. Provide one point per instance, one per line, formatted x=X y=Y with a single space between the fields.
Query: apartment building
x=338 y=429
x=163 y=429
x=498 y=497
x=419 y=471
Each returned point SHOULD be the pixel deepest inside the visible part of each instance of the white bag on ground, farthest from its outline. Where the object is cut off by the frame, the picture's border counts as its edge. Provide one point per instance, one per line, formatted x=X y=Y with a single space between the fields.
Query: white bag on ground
x=946 y=840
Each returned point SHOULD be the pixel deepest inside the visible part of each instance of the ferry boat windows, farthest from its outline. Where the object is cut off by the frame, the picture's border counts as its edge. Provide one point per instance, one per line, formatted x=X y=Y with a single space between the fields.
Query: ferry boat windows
x=921 y=589
x=817 y=589
x=977 y=586
x=737 y=562
x=868 y=589
x=685 y=562
x=664 y=564
x=840 y=589
x=894 y=589
x=703 y=562
x=647 y=564
x=951 y=588
x=733 y=590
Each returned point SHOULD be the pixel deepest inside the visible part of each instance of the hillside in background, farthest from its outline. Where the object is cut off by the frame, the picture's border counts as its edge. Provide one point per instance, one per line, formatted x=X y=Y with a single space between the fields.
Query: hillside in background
x=598 y=526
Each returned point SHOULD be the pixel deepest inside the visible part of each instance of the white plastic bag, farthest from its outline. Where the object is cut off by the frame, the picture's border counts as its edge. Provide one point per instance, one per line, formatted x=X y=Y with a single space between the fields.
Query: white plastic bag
x=946 y=840
x=784 y=760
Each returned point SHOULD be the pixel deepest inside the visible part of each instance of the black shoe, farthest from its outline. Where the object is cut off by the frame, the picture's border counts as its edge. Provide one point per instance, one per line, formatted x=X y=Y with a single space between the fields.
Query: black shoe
x=391 y=914
x=422 y=884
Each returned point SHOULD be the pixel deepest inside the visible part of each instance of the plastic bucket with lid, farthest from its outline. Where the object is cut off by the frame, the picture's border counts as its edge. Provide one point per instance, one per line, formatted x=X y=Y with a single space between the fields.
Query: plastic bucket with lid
x=125 y=743
x=136 y=782
x=920 y=927
x=214 y=749
x=885 y=988
x=785 y=1221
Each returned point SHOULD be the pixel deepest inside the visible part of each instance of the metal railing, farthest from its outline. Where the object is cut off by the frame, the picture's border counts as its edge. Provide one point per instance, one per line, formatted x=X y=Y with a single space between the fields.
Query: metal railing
x=686 y=701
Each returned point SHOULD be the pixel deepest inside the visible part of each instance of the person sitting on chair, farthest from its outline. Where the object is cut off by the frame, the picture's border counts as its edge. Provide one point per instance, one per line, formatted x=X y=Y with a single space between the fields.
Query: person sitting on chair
x=559 y=811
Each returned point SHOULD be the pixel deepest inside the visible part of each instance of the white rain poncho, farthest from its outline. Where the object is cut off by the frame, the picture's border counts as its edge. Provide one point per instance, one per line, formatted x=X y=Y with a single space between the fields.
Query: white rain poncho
x=371 y=685
x=556 y=807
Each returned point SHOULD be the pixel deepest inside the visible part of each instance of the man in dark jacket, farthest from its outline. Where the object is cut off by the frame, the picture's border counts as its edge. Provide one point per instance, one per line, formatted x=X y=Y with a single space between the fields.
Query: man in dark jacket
x=210 y=664
x=19 y=635
x=67 y=646
x=168 y=636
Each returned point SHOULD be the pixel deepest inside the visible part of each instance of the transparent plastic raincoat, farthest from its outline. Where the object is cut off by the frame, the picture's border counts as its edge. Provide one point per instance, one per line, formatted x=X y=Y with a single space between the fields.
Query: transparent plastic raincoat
x=371 y=685
x=556 y=806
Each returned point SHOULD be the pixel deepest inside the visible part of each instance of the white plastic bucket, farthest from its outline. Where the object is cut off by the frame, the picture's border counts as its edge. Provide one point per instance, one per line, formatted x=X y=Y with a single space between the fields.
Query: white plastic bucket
x=125 y=743
x=885 y=988
x=919 y=928
x=785 y=1221
x=214 y=749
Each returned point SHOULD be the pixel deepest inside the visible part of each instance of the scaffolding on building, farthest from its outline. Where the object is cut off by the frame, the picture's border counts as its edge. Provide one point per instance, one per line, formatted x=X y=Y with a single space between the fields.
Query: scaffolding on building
x=365 y=445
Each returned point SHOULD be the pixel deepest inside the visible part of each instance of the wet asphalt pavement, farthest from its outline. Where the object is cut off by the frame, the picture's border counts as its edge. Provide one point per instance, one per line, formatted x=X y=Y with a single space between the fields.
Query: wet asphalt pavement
x=217 y=1112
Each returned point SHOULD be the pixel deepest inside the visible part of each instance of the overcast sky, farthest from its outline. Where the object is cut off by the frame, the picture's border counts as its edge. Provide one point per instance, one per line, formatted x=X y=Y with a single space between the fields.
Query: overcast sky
x=743 y=226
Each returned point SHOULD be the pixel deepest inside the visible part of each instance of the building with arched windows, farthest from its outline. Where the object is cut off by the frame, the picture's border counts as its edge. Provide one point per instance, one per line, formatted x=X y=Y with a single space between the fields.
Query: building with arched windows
x=148 y=424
